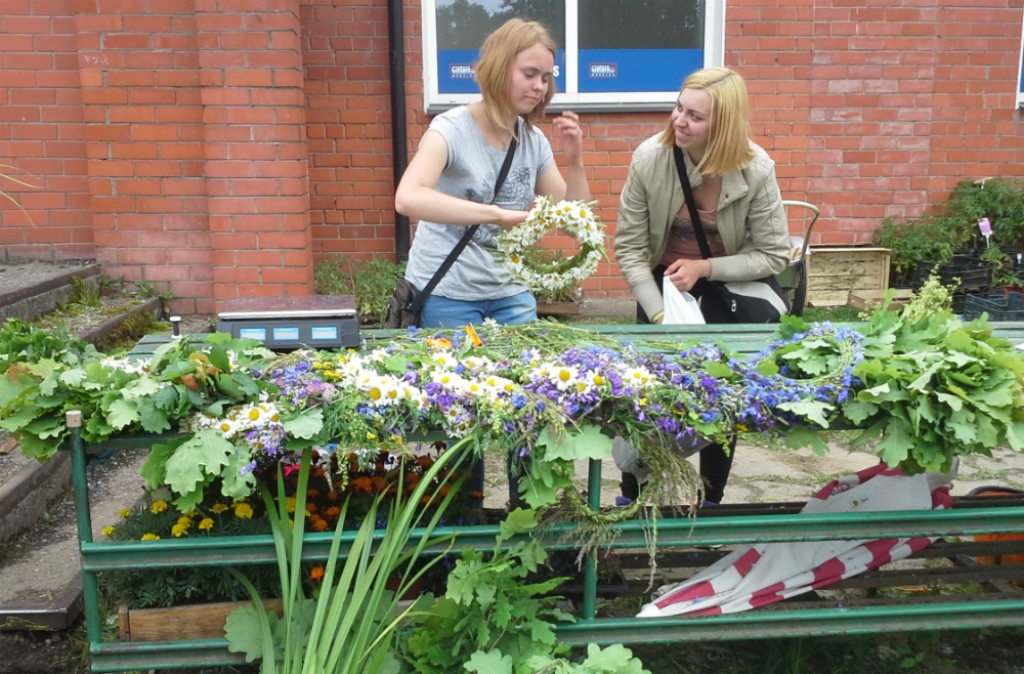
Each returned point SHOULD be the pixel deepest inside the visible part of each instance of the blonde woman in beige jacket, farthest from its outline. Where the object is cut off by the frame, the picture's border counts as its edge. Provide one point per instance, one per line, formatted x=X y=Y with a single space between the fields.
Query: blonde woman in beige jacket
x=740 y=208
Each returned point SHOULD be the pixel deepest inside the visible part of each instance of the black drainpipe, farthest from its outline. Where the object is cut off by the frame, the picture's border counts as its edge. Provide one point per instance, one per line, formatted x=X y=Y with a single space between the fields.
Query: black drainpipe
x=399 y=159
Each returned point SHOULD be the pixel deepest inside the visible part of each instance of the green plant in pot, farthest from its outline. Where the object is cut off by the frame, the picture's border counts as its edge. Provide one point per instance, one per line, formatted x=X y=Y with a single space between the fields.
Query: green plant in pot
x=999 y=200
x=347 y=626
x=927 y=239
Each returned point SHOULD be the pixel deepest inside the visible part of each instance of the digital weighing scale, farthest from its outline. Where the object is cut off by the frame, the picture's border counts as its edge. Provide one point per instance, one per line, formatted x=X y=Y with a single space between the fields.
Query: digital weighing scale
x=287 y=323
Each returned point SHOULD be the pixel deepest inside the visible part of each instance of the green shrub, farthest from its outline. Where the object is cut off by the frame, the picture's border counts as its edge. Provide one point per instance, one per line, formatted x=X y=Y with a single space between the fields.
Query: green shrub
x=936 y=238
x=372 y=282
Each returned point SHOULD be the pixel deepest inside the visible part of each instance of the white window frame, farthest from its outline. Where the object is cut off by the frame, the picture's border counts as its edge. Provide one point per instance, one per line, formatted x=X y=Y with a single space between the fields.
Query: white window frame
x=1020 y=71
x=435 y=102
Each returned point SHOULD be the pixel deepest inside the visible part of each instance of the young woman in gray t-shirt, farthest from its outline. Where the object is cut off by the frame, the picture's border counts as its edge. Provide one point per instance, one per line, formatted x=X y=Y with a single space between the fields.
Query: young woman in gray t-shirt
x=449 y=184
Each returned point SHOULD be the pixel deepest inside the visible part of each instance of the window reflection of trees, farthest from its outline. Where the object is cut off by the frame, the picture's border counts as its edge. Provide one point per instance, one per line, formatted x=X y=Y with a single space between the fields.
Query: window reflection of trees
x=640 y=24
x=464 y=25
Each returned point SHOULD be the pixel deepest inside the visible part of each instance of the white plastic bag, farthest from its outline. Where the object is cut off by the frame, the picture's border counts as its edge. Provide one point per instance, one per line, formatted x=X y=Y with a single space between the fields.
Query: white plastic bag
x=680 y=308
x=628 y=460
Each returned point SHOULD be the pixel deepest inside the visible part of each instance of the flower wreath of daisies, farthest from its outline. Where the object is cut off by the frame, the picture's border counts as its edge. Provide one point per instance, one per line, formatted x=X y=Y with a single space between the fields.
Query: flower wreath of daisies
x=575 y=218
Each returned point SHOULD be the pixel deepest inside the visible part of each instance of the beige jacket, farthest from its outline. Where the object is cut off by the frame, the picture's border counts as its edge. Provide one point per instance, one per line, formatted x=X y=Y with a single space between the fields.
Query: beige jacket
x=751 y=220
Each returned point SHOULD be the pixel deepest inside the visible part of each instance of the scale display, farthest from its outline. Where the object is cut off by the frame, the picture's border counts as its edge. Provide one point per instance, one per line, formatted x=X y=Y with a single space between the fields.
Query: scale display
x=288 y=323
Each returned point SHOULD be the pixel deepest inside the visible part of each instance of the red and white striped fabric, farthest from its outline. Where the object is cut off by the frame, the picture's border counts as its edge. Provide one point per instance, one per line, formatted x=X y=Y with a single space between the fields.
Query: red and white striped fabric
x=757 y=575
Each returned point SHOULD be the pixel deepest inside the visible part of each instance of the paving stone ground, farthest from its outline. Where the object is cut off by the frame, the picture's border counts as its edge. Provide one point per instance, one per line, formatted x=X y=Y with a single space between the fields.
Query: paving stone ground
x=763 y=473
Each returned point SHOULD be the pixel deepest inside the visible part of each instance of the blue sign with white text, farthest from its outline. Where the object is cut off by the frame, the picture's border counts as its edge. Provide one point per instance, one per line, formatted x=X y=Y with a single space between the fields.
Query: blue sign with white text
x=455 y=71
x=637 y=69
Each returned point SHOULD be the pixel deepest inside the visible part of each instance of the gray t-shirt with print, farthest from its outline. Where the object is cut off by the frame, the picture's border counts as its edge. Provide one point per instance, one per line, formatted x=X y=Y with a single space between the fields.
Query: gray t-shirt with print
x=472 y=170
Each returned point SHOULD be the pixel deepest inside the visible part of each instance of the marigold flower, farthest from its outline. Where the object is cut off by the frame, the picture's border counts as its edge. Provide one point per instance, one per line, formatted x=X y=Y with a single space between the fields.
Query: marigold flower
x=443 y=491
x=379 y=483
x=218 y=508
x=320 y=525
x=333 y=495
x=290 y=504
x=150 y=537
x=316 y=573
x=243 y=511
x=311 y=508
x=158 y=507
x=179 y=530
x=333 y=512
x=362 y=485
x=206 y=524
x=312 y=493
x=184 y=522
x=124 y=512
x=107 y=531
x=477 y=495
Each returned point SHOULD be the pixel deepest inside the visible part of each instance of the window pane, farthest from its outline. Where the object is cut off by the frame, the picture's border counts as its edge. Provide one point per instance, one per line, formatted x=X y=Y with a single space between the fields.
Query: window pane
x=639 y=45
x=462 y=26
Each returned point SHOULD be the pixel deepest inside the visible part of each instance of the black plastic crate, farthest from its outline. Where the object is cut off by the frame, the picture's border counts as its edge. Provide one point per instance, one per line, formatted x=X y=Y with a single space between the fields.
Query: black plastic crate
x=974 y=274
x=1009 y=307
x=959 y=301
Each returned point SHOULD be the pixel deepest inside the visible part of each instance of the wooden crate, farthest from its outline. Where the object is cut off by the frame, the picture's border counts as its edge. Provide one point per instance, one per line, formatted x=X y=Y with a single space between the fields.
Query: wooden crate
x=833 y=272
x=860 y=299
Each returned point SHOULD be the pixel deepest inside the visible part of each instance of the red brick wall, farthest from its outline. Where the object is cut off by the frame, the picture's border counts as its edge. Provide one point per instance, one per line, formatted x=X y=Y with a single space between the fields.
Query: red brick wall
x=216 y=147
x=42 y=133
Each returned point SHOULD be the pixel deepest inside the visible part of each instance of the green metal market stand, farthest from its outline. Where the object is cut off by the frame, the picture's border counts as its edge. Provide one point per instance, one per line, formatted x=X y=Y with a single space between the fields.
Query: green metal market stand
x=967 y=611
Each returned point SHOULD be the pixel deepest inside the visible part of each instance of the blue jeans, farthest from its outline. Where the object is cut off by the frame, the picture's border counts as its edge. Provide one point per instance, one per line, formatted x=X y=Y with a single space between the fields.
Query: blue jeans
x=444 y=312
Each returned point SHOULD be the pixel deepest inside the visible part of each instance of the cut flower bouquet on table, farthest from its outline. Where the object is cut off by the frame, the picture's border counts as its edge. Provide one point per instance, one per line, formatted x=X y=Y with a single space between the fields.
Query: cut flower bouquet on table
x=542 y=395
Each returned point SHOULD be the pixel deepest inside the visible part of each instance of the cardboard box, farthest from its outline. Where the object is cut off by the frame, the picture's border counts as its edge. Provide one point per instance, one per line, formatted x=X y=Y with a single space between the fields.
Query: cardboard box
x=833 y=272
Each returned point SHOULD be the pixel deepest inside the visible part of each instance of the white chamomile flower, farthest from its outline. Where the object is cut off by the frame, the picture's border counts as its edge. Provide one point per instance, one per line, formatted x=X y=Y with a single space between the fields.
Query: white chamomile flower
x=638 y=377
x=564 y=376
x=445 y=359
x=478 y=363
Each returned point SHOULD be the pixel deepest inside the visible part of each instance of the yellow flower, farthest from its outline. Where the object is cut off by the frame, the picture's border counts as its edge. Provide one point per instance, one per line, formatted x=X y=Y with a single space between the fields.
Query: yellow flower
x=184 y=522
x=243 y=511
x=192 y=513
x=158 y=507
x=206 y=524
x=178 y=530
x=290 y=503
x=125 y=512
x=150 y=537
x=107 y=531
x=218 y=508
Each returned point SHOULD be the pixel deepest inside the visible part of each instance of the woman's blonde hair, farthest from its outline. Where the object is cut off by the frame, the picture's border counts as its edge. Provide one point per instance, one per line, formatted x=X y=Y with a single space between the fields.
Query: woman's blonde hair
x=494 y=71
x=729 y=141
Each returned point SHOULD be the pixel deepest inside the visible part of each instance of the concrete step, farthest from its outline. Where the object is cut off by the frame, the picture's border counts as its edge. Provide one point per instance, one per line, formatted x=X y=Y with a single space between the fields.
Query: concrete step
x=39 y=582
x=30 y=289
x=40 y=579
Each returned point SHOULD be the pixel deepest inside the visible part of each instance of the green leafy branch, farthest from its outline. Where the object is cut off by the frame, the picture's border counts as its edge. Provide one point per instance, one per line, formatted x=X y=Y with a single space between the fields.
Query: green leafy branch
x=491 y=621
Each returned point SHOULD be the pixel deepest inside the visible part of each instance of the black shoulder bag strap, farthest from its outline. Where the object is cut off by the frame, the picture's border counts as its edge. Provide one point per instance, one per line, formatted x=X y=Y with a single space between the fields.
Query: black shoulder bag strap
x=418 y=303
x=684 y=180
